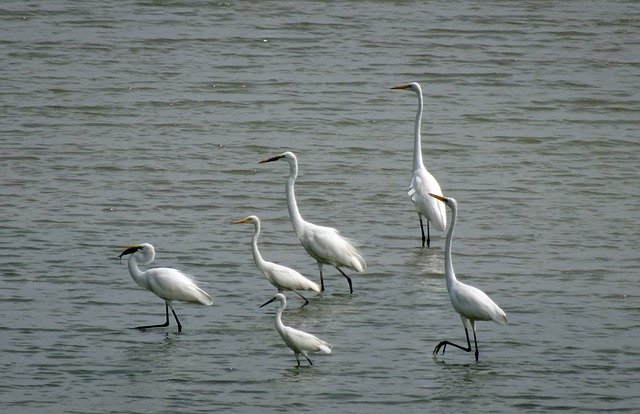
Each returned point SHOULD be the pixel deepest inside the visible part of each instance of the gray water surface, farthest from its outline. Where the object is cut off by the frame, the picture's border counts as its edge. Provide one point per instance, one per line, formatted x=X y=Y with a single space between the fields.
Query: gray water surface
x=131 y=122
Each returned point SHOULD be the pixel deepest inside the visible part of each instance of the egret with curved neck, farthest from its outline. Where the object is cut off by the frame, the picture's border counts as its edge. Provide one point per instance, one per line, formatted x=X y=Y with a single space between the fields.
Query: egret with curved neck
x=281 y=277
x=422 y=182
x=324 y=244
x=471 y=303
x=167 y=283
x=300 y=342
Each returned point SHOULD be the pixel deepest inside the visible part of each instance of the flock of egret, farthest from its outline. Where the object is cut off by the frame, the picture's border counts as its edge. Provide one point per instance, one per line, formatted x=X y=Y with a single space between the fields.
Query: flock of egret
x=327 y=246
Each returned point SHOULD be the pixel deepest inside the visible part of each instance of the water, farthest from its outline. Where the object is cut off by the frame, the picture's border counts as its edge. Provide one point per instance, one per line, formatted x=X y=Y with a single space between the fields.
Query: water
x=145 y=122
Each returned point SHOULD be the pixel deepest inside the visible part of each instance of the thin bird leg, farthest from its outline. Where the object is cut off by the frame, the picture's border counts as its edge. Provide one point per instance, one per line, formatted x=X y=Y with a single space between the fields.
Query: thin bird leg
x=306 y=302
x=443 y=344
x=473 y=326
x=428 y=236
x=321 y=280
x=297 y=359
x=348 y=280
x=422 y=228
x=310 y=363
x=176 y=316
x=166 y=323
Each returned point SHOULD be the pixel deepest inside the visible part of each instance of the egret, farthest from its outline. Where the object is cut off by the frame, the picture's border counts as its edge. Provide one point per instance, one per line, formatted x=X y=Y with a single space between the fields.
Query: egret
x=324 y=244
x=422 y=182
x=169 y=284
x=470 y=302
x=299 y=342
x=282 y=277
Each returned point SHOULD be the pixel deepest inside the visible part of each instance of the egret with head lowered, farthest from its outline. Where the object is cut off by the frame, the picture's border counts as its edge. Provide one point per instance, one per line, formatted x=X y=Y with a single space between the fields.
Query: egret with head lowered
x=422 y=182
x=300 y=342
x=324 y=244
x=167 y=283
x=471 y=303
x=281 y=277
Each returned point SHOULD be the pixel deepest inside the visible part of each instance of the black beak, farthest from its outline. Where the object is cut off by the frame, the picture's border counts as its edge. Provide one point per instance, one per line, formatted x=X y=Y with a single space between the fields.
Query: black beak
x=129 y=250
x=276 y=158
x=268 y=302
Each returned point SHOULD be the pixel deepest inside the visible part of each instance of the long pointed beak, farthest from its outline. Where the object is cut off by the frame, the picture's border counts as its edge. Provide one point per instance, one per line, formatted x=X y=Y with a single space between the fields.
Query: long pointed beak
x=242 y=220
x=276 y=158
x=268 y=302
x=403 y=86
x=129 y=250
x=439 y=197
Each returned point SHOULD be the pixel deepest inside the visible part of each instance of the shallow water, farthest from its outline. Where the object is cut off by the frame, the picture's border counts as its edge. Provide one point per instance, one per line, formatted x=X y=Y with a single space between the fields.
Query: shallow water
x=145 y=122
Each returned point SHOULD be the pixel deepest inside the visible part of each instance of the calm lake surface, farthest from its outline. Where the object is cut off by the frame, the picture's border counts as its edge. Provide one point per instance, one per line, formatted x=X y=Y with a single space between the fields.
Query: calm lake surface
x=131 y=122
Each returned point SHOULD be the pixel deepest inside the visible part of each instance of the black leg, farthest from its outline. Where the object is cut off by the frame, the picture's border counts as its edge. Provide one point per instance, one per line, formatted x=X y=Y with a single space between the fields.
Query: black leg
x=443 y=344
x=348 y=280
x=475 y=341
x=310 y=363
x=176 y=316
x=428 y=236
x=422 y=229
x=306 y=302
x=166 y=323
x=297 y=359
x=321 y=279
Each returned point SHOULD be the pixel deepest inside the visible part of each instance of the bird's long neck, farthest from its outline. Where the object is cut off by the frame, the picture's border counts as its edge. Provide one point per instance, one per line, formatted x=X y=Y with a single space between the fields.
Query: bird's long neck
x=448 y=264
x=294 y=213
x=257 y=257
x=136 y=274
x=417 y=144
x=279 y=324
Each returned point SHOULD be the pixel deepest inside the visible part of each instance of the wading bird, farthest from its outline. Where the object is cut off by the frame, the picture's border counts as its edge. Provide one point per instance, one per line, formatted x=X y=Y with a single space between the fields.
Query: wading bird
x=471 y=303
x=422 y=182
x=299 y=342
x=169 y=284
x=324 y=244
x=282 y=277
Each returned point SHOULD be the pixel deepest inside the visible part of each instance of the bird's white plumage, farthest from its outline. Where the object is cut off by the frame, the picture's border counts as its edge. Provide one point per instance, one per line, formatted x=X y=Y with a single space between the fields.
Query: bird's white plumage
x=324 y=244
x=469 y=302
x=422 y=182
x=167 y=283
x=300 y=342
x=281 y=277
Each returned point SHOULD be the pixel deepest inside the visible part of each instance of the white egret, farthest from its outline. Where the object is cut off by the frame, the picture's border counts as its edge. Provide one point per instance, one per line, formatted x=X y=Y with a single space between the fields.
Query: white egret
x=325 y=244
x=422 y=182
x=299 y=342
x=282 y=277
x=169 y=284
x=471 y=303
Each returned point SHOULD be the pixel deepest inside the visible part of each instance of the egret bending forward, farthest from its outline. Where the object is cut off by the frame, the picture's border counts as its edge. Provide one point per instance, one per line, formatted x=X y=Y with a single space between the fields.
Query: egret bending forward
x=422 y=182
x=282 y=277
x=299 y=342
x=325 y=244
x=471 y=303
x=169 y=284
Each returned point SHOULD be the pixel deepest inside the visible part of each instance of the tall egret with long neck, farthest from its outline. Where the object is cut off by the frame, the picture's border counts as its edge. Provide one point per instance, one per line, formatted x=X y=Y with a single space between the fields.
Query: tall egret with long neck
x=422 y=182
x=325 y=244
x=300 y=342
x=281 y=277
x=471 y=303
x=167 y=283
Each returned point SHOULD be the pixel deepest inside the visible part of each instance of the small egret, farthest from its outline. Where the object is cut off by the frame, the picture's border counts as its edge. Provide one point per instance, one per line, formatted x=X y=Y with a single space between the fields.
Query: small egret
x=299 y=342
x=471 y=303
x=169 y=284
x=325 y=244
x=422 y=182
x=282 y=277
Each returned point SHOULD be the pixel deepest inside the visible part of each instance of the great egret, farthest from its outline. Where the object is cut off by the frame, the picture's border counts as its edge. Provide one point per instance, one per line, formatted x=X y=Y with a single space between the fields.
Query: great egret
x=299 y=342
x=282 y=277
x=169 y=284
x=422 y=182
x=471 y=303
x=325 y=244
